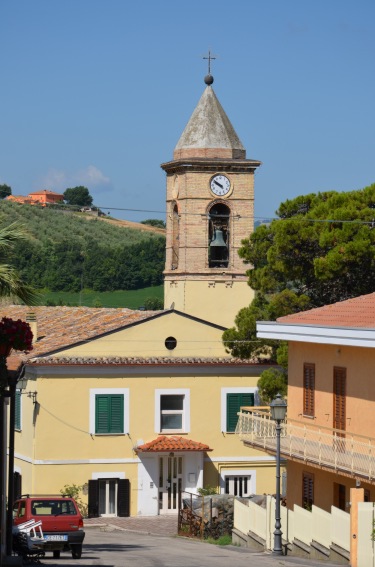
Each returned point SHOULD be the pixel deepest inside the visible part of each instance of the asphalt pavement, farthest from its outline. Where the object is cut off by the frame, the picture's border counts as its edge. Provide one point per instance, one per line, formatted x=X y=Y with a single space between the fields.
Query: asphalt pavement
x=108 y=545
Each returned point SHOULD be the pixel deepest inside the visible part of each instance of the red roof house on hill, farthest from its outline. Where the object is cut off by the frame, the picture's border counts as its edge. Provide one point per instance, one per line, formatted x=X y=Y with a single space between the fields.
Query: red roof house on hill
x=45 y=197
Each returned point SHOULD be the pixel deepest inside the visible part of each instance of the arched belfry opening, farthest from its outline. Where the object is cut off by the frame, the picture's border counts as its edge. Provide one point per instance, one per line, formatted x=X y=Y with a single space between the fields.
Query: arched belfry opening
x=175 y=237
x=218 y=236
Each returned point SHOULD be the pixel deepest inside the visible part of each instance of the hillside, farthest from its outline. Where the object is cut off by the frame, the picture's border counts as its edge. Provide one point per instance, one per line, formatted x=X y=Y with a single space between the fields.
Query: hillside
x=43 y=223
x=69 y=251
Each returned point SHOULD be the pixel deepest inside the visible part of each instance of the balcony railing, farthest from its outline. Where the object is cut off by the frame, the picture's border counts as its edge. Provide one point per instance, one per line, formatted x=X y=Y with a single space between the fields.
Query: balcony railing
x=334 y=449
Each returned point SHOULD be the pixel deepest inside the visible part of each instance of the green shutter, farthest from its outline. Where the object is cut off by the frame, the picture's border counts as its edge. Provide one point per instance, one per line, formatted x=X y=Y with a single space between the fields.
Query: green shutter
x=117 y=414
x=234 y=402
x=109 y=413
x=17 y=423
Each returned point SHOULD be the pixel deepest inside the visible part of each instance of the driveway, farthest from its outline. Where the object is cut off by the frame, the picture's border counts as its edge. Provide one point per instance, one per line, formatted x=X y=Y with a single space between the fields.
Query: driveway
x=113 y=547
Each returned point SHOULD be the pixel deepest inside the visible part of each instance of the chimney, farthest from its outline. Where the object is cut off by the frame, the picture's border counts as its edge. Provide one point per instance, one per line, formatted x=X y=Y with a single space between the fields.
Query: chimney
x=31 y=320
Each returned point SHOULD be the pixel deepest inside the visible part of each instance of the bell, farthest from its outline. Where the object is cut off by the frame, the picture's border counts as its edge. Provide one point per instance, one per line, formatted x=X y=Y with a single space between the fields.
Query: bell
x=218 y=239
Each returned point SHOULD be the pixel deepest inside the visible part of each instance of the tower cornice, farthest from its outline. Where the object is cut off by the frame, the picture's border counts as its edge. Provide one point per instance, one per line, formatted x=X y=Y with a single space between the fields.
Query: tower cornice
x=210 y=164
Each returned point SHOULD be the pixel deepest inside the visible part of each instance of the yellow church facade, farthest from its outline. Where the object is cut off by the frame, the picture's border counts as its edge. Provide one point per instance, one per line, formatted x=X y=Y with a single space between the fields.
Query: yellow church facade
x=137 y=431
x=141 y=407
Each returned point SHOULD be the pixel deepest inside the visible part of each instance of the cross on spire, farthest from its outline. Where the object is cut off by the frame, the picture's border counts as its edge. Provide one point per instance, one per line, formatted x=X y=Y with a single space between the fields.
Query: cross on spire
x=209 y=58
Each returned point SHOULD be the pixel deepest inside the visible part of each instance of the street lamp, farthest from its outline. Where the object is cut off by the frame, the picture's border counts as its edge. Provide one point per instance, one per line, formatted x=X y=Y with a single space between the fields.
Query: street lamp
x=278 y=412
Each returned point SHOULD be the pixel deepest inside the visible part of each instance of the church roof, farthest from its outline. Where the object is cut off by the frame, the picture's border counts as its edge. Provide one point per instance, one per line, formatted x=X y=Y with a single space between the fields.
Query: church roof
x=209 y=132
x=61 y=327
x=171 y=444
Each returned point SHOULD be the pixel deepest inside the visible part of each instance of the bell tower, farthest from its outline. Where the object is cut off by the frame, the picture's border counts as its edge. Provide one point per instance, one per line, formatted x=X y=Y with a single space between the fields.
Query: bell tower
x=210 y=210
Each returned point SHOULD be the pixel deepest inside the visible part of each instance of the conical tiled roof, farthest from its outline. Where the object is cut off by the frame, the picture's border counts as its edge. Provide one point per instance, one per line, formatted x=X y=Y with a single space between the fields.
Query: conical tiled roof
x=209 y=132
x=172 y=444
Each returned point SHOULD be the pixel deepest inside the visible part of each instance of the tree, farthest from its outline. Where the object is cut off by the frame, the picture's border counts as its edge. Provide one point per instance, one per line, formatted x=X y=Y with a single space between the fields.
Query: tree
x=272 y=382
x=323 y=246
x=154 y=222
x=11 y=284
x=5 y=191
x=153 y=304
x=241 y=341
x=78 y=196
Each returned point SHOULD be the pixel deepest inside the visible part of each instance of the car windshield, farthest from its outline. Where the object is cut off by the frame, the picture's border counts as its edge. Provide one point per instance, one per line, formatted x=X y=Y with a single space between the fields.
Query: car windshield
x=52 y=507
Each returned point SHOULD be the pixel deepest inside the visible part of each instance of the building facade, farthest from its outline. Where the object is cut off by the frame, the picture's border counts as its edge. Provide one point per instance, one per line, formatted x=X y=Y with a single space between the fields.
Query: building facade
x=328 y=438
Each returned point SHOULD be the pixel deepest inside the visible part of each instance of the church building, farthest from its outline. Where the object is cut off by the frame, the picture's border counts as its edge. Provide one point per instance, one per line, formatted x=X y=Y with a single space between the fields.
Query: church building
x=141 y=407
x=210 y=209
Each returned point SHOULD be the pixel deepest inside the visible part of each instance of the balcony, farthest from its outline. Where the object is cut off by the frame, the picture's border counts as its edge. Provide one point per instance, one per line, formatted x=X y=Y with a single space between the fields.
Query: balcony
x=331 y=449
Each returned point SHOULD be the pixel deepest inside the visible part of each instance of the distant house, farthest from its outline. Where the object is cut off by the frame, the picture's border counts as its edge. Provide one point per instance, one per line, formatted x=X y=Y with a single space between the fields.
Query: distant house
x=18 y=199
x=45 y=197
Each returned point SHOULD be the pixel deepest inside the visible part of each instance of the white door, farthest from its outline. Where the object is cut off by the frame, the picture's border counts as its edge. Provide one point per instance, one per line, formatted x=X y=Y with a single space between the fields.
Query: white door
x=170 y=484
x=108 y=497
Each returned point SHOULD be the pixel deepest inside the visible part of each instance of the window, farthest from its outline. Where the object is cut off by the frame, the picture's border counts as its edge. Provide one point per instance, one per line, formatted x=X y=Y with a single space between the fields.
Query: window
x=237 y=485
x=238 y=482
x=218 y=236
x=175 y=237
x=309 y=389
x=109 y=411
x=307 y=491
x=17 y=423
x=231 y=401
x=172 y=410
x=170 y=343
x=339 y=398
x=53 y=508
x=234 y=403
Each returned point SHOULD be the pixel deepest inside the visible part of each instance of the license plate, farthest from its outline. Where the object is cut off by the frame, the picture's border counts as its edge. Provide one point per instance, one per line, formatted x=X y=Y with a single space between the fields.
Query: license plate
x=56 y=537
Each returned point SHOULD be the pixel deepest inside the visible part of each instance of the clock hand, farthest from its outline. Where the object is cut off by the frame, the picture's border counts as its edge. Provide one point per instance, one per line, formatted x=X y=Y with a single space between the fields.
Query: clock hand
x=219 y=184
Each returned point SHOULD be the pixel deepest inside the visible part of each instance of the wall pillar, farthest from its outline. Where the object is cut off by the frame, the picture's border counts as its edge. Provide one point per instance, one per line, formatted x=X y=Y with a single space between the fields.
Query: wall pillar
x=356 y=495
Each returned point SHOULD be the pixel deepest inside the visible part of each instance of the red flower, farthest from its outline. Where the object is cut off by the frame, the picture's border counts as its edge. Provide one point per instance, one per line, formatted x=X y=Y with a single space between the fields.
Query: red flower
x=16 y=335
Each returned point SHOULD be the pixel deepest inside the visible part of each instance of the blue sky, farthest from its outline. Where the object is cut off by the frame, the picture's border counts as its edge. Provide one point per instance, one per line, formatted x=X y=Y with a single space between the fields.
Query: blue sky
x=98 y=92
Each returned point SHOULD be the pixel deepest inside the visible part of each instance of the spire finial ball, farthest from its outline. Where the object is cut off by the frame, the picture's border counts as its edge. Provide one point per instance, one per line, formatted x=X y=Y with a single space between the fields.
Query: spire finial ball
x=209 y=79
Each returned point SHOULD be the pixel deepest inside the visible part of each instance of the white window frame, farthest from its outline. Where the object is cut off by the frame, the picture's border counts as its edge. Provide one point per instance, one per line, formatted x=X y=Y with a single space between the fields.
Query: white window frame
x=239 y=472
x=224 y=392
x=185 y=392
x=117 y=391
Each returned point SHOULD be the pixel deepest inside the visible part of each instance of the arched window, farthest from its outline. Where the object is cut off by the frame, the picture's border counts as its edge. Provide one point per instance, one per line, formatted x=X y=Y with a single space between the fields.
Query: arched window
x=175 y=237
x=218 y=236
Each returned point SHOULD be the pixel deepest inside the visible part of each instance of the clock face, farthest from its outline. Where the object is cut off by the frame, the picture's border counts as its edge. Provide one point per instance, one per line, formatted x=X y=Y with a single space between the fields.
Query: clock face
x=220 y=185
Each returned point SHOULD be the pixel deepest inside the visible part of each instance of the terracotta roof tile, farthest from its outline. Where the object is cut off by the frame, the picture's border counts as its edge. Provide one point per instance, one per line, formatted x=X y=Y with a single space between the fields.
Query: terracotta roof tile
x=60 y=327
x=173 y=444
x=154 y=360
x=357 y=312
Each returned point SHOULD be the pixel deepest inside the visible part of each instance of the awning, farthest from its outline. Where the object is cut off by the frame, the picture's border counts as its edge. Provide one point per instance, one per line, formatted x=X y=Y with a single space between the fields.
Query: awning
x=172 y=444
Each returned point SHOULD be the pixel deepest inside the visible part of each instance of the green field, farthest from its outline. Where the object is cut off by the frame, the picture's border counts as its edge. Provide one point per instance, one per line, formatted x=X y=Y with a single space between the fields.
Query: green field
x=132 y=299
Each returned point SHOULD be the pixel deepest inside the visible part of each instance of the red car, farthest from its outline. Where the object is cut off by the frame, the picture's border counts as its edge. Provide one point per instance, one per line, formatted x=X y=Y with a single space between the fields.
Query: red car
x=62 y=522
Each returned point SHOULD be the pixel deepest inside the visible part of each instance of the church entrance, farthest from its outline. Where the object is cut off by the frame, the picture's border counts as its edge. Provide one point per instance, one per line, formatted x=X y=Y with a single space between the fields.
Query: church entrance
x=170 y=483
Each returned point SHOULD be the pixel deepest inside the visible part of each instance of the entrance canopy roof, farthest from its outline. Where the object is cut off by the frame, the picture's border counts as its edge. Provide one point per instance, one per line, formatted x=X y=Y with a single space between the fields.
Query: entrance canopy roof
x=172 y=444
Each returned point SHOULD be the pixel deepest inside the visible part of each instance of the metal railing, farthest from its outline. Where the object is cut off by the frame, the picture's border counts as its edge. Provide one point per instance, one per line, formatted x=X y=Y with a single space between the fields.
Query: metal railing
x=332 y=448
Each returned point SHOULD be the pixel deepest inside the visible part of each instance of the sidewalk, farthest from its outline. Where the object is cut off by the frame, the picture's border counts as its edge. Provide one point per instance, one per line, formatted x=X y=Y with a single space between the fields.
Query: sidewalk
x=165 y=525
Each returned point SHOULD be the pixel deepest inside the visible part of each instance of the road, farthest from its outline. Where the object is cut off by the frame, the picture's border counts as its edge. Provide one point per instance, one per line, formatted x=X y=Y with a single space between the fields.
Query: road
x=119 y=548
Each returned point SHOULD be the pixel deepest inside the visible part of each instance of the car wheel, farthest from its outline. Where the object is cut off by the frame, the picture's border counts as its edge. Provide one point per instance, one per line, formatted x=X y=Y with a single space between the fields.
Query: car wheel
x=56 y=554
x=76 y=551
